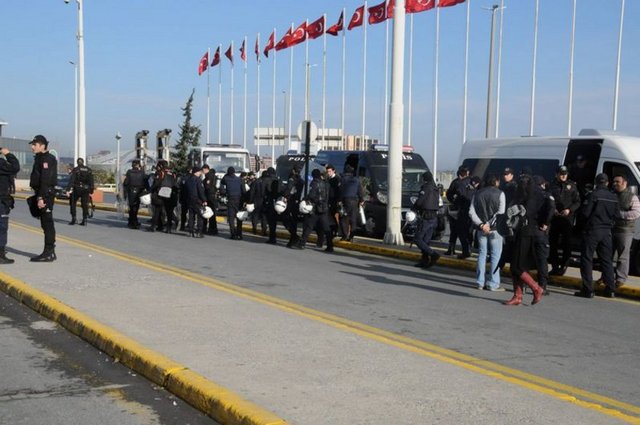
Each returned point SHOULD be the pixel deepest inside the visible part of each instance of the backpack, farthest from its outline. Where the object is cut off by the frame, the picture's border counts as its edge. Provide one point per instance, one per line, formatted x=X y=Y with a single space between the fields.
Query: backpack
x=514 y=219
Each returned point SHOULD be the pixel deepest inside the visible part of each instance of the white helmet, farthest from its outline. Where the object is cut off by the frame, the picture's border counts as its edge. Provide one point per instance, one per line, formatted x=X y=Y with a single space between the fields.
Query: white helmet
x=305 y=207
x=206 y=212
x=410 y=216
x=280 y=206
x=145 y=199
x=242 y=215
x=250 y=207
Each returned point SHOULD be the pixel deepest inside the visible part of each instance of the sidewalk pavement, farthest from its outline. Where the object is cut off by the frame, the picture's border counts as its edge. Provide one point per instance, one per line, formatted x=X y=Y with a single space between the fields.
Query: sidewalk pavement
x=571 y=279
x=208 y=341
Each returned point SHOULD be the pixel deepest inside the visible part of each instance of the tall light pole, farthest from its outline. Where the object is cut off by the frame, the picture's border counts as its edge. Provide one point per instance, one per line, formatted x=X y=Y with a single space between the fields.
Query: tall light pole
x=82 y=133
x=307 y=108
x=489 y=120
x=118 y=200
x=616 y=91
x=284 y=118
x=75 y=118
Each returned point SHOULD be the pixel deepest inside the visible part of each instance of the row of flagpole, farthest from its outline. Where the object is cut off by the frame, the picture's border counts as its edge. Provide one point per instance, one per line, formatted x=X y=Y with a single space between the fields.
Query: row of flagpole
x=358 y=19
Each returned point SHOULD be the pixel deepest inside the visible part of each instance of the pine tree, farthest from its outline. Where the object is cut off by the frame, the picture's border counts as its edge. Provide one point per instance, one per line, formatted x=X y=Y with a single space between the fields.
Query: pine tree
x=189 y=137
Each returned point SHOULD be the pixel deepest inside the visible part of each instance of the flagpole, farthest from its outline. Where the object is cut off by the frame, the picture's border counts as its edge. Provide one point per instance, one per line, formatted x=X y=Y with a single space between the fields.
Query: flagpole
x=208 y=96
x=344 y=74
x=499 y=76
x=307 y=107
x=290 y=93
x=386 y=77
x=573 y=37
x=410 y=100
x=434 y=169
x=273 y=110
x=324 y=79
x=258 y=98
x=364 y=75
x=220 y=96
x=231 y=100
x=533 y=72
x=244 y=123
x=616 y=92
x=466 y=76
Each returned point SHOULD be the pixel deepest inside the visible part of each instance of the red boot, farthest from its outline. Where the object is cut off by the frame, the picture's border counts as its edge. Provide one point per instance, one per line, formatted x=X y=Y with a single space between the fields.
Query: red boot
x=517 y=293
x=535 y=288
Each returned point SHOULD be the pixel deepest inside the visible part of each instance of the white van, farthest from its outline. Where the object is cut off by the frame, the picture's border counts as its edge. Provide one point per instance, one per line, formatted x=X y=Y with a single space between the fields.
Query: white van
x=608 y=152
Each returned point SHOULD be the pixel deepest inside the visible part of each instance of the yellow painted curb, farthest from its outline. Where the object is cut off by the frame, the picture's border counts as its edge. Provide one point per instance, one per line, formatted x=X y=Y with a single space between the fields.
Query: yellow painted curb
x=221 y=404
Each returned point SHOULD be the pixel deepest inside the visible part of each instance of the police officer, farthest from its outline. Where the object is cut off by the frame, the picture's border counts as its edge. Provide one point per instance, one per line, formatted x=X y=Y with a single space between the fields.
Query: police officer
x=426 y=207
x=509 y=185
x=567 y=199
x=134 y=184
x=599 y=211
x=44 y=177
x=9 y=167
x=211 y=193
x=232 y=187
x=256 y=198
x=334 y=182
x=80 y=187
x=163 y=196
x=293 y=194
x=541 y=232
x=272 y=191
x=352 y=197
x=318 y=196
x=455 y=188
x=196 y=197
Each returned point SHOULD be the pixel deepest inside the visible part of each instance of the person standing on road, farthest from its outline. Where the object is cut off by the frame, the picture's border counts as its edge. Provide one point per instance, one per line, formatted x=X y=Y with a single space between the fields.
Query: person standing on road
x=456 y=186
x=426 y=207
x=509 y=185
x=211 y=193
x=624 y=227
x=567 y=199
x=334 y=182
x=134 y=184
x=318 y=196
x=232 y=187
x=293 y=194
x=196 y=198
x=486 y=204
x=256 y=198
x=529 y=202
x=600 y=210
x=352 y=197
x=80 y=187
x=44 y=177
x=541 y=233
x=163 y=196
x=9 y=167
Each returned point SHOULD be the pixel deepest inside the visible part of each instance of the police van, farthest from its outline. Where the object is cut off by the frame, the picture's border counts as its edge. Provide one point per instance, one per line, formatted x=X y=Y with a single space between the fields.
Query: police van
x=285 y=163
x=372 y=167
x=600 y=152
x=221 y=157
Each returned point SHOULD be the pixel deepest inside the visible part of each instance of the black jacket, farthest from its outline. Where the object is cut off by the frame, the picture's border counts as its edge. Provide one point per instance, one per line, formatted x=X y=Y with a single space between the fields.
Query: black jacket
x=428 y=201
x=351 y=188
x=195 y=195
x=232 y=186
x=134 y=180
x=600 y=209
x=44 y=175
x=319 y=196
x=565 y=195
x=210 y=189
x=9 y=167
x=81 y=178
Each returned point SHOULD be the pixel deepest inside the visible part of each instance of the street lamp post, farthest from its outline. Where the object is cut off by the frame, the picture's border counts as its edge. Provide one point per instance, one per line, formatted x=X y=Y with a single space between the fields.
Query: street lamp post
x=488 y=123
x=75 y=122
x=82 y=133
x=284 y=120
x=118 y=194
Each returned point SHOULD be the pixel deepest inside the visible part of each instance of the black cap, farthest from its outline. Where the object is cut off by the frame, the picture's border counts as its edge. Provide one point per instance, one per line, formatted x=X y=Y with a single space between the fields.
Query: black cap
x=562 y=169
x=602 y=178
x=580 y=158
x=39 y=139
x=475 y=180
x=539 y=180
x=195 y=170
x=508 y=170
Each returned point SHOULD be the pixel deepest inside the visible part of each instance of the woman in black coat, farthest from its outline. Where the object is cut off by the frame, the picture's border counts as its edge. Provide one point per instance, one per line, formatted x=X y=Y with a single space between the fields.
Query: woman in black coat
x=523 y=248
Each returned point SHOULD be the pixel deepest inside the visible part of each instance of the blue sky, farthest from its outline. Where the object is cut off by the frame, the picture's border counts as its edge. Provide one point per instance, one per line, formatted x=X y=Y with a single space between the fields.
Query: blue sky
x=141 y=59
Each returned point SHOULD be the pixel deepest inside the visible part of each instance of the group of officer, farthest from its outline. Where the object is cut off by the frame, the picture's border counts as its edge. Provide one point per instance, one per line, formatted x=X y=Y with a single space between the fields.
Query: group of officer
x=330 y=206
x=604 y=216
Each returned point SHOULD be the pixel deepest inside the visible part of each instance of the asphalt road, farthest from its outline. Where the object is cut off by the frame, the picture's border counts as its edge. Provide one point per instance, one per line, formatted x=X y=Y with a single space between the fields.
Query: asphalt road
x=593 y=345
x=52 y=377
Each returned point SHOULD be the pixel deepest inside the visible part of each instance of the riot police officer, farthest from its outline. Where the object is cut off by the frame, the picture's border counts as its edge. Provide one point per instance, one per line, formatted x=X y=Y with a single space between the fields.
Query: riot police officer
x=134 y=185
x=80 y=187
x=211 y=193
x=9 y=167
x=318 y=196
x=195 y=195
x=271 y=185
x=352 y=197
x=232 y=187
x=567 y=199
x=44 y=177
x=293 y=194
x=256 y=197
x=541 y=232
x=164 y=197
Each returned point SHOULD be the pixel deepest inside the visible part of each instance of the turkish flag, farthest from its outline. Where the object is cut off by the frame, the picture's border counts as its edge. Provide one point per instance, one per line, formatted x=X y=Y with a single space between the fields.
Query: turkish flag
x=337 y=27
x=204 y=63
x=256 y=50
x=378 y=13
x=316 y=28
x=447 y=3
x=271 y=43
x=298 y=36
x=216 y=57
x=243 y=54
x=357 y=19
x=284 y=41
x=390 y=7
x=416 y=6
x=229 y=53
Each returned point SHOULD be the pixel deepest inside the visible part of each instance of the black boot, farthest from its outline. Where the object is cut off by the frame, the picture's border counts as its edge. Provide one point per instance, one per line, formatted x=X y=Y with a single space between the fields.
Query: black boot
x=4 y=259
x=83 y=222
x=329 y=238
x=73 y=221
x=47 y=256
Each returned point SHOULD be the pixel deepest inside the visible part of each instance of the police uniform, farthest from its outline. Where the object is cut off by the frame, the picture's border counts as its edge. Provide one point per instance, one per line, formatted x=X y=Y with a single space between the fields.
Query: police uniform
x=566 y=197
x=426 y=207
x=164 y=183
x=271 y=185
x=351 y=195
x=9 y=167
x=256 y=197
x=134 y=184
x=196 y=198
x=43 y=180
x=318 y=196
x=80 y=186
x=232 y=187
x=211 y=193
x=541 y=237
x=293 y=194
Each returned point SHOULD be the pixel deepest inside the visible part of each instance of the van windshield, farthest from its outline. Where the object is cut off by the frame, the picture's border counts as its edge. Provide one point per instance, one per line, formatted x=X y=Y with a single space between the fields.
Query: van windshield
x=220 y=161
x=411 y=178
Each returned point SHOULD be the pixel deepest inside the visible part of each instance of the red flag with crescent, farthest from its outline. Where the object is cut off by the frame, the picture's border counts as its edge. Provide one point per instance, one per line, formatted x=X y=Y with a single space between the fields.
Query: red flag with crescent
x=229 y=53
x=416 y=6
x=204 y=63
x=357 y=19
x=316 y=28
x=390 y=6
x=271 y=43
x=216 y=57
x=284 y=41
x=378 y=13
x=298 y=36
x=338 y=26
x=447 y=3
